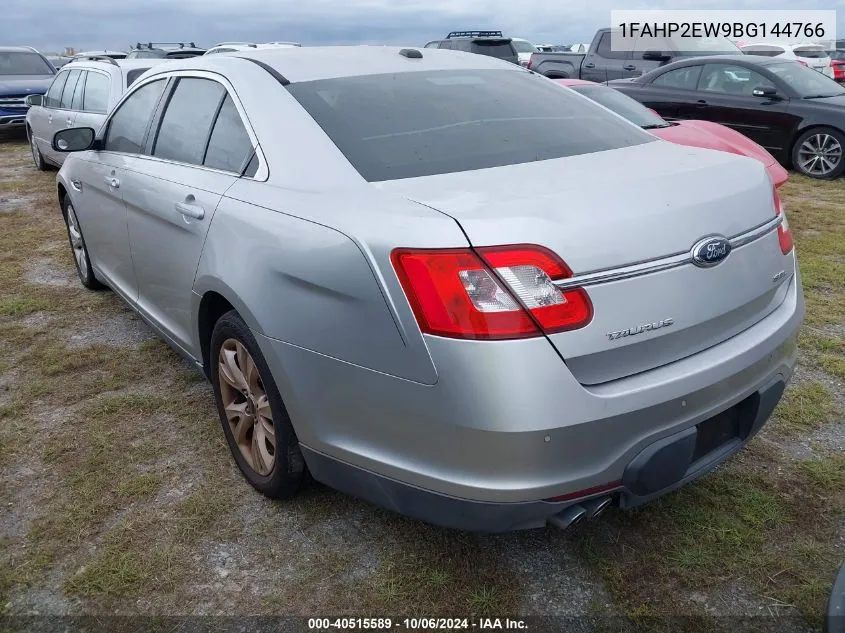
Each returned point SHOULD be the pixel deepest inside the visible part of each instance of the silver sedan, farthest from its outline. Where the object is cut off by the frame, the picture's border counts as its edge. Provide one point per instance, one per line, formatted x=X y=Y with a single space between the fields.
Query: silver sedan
x=438 y=281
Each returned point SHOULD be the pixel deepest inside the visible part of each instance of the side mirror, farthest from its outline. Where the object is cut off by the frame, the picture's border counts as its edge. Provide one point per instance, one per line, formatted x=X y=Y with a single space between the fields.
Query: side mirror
x=74 y=139
x=765 y=93
x=34 y=100
x=656 y=56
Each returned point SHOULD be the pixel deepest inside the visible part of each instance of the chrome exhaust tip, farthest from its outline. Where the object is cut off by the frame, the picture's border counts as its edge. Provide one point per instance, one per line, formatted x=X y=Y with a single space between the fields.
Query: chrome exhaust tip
x=569 y=517
x=595 y=507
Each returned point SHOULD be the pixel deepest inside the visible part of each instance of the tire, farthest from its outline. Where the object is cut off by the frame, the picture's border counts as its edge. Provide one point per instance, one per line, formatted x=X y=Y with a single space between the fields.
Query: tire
x=266 y=450
x=820 y=153
x=37 y=158
x=78 y=247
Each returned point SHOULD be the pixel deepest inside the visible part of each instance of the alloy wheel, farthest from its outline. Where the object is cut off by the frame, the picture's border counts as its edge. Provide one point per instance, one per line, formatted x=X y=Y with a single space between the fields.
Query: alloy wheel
x=77 y=243
x=247 y=406
x=819 y=154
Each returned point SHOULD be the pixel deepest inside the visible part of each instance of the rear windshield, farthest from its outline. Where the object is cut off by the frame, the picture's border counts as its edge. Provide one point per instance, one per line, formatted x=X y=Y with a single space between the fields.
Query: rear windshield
x=493 y=48
x=810 y=53
x=806 y=81
x=622 y=105
x=132 y=75
x=23 y=63
x=523 y=46
x=148 y=54
x=763 y=51
x=423 y=123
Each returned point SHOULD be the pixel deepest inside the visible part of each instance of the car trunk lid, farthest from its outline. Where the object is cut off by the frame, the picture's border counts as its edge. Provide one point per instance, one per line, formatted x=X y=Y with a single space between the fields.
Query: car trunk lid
x=617 y=211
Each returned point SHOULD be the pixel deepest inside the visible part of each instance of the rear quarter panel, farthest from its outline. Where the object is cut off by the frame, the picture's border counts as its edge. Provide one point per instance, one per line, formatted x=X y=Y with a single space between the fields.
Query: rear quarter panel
x=308 y=285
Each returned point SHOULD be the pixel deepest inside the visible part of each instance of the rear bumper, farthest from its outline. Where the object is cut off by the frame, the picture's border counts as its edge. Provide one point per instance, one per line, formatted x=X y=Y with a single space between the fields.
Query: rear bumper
x=660 y=468
x=506 y=427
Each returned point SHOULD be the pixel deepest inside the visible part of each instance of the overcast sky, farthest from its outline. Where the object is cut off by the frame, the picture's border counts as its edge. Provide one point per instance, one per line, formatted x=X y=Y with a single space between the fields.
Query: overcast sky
x=51 y=25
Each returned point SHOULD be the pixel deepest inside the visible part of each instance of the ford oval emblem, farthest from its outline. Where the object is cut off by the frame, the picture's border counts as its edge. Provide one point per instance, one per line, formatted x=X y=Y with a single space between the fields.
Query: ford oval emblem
x=710 y=251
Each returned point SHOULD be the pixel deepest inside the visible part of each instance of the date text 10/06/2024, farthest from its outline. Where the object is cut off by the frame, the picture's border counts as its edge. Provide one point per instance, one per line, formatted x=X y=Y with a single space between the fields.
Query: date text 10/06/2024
x=415 y=624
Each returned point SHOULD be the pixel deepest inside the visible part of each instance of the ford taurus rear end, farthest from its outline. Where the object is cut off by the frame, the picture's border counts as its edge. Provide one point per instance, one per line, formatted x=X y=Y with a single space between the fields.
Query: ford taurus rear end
x=606 y=316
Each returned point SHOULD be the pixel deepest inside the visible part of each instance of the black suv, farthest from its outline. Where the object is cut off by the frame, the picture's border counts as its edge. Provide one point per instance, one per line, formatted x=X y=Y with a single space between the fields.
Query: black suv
x=164 y=50
x=489 y=43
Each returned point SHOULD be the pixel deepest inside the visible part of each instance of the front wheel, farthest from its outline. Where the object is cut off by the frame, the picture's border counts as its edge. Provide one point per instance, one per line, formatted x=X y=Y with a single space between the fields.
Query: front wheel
x=254 y=419
x=80 y=250
x=818 y=153
x=37 y=158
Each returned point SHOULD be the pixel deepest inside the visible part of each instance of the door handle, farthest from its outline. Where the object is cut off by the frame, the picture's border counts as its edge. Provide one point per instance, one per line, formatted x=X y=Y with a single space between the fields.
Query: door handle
x=190 y=210
x=69 y=123
x=112 y=182
x=589 y=65
x=700 y=103
x=76 y=185
x=629 y=67
x=49 y=118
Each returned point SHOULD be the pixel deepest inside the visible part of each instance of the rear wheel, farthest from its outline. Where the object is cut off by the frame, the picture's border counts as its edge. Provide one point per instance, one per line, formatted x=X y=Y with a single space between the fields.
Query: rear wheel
x=254 y=419
x=818 y=153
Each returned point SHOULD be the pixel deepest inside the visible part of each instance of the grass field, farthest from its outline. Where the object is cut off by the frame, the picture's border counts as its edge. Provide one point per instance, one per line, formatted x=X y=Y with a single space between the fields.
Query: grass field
x=119 y=494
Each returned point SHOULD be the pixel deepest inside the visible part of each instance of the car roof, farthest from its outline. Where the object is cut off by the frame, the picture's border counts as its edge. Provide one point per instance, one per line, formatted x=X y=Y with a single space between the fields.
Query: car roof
x=122 y=64
x=310 y=63
x=755 y=60
x=18 y=49
x=100 y=52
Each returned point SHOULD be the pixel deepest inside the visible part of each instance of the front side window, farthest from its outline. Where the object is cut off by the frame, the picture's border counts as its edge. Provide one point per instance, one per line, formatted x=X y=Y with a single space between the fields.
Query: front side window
x=422 y=123
x=685 y=78
x=186 y=123
x=728 y=79
x=229 y=147
x=54 y=94
x=96 y=93
x=70 y=86
x=24 y=63
x=128 y=126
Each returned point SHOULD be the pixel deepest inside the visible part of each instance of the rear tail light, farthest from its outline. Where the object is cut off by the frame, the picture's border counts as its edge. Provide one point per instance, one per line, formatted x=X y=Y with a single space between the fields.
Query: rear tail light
x=784 y=232
x=502 y=292
x=802 y=62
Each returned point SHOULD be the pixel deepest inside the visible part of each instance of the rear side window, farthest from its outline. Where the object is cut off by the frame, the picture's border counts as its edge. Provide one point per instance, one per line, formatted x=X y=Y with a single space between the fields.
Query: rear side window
x=96 y=93
x=187 y=120
x=603 y=49
x=423 y=123
x=128 y=125
x=76 y=102
x=70 y=86
x=54 y=94
x=502 y=50
x=229 y=147
x=685 y=78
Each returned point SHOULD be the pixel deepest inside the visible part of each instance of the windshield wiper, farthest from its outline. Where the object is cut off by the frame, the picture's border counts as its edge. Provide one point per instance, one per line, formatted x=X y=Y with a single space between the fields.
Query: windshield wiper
x=838 y=94
x=654 y=126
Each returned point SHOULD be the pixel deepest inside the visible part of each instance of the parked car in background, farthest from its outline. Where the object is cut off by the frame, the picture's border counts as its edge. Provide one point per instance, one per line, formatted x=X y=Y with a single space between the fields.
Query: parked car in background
x=706 y=134
x=834 y=619
x=810 y=55
x=284 y=44
x=524 y=50
x=490 y=43
x=165 y=50
x=23 y=72
x=417 y=229
x=837 y=61
x=796 y=113
x=600 y=63
x=58 y=62
x=231 y=48
x=81 y=94
x=104 y=53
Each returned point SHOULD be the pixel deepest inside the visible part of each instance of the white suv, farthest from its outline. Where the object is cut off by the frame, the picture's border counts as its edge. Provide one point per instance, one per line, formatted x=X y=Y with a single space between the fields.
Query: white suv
x=813 y=56
x=82 y=94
